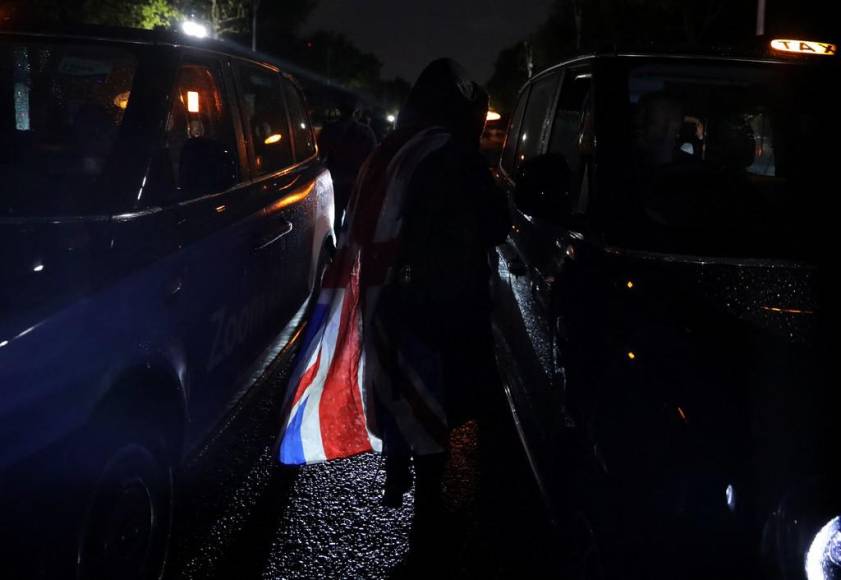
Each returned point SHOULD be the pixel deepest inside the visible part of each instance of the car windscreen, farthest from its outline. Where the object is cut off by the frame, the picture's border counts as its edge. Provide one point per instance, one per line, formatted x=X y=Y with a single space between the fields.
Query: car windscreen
x=61 y=110
x=727 y=159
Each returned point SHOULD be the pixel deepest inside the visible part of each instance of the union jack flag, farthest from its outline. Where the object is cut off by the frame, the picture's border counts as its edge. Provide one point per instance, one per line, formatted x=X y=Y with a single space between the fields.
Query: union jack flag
x=340 y=381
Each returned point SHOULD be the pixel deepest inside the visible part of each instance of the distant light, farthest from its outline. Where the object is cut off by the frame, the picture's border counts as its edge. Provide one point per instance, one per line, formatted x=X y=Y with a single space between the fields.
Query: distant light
x=630 y=284
x=632 y=355
x=121 y=100
x=493 y=116
x=38 y=268
x=803 y=47
x=193 y=101
x=221 y=208
x=730 y=495
x=4 y=343
x=303 y=125
x=681 y=412
x=391 y=118
x=525 y=136
x=273 y=139
x=192 y=28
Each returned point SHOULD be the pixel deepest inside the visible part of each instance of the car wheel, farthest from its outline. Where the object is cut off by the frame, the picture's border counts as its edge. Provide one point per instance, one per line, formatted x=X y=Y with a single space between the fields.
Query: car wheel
x=126 y=527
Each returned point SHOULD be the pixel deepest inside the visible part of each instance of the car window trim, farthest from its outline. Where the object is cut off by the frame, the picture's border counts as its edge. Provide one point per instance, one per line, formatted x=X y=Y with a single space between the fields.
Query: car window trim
x=524 y=93
x=244 y=184
x=302 y=101
x=235 y=110
x=544 y=128
x=293 y=141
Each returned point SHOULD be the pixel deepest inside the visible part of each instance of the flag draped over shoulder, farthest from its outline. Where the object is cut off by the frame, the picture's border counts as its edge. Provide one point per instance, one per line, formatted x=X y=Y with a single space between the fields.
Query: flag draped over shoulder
x=341 y=379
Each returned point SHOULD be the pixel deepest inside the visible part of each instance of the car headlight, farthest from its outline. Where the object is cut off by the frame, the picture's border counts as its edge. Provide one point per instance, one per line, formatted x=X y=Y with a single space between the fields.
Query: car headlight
x=823 y=559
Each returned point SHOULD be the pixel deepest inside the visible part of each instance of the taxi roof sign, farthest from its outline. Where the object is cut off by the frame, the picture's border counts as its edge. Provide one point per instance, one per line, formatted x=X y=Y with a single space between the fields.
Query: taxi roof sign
x=803 y=47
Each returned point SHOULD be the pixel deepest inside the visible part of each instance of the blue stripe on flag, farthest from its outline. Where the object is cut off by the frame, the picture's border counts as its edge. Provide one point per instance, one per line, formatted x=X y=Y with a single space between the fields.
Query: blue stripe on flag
x=291 y=447
x=315 y=324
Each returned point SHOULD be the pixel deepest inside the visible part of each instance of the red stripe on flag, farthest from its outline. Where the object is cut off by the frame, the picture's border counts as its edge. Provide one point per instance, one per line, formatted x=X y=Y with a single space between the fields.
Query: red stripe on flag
x=343 y=430
x=306 y=379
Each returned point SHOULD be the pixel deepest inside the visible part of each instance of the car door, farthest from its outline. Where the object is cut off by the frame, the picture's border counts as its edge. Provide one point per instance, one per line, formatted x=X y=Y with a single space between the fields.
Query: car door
x=284 y=185
x=214 y=218
x=525 y=327
x=560 y=268
x=546 y=251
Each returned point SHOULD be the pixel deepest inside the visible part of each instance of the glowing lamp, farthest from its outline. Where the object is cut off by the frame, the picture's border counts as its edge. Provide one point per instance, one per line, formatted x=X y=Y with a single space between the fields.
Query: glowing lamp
x=193 y=101
x=192 y=28
x=493 y=116
x=121 y=100
x=271 y=139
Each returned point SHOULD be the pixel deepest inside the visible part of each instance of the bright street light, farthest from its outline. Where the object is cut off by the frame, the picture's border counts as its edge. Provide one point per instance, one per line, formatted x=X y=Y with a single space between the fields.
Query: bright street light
x=193 y=28
x=391 y=118
x=494 y=116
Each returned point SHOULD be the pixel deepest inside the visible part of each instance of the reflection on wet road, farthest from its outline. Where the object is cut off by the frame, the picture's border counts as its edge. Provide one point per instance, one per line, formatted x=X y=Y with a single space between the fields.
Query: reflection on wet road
x=335 y=527
x=242 y=516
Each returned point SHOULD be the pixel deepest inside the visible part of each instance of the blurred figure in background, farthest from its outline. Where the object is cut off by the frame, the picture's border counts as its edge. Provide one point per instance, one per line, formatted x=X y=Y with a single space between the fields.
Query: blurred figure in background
x=344 y=145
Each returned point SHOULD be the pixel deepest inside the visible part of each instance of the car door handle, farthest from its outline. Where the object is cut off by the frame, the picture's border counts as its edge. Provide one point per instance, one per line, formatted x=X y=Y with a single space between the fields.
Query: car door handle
x=279 y=228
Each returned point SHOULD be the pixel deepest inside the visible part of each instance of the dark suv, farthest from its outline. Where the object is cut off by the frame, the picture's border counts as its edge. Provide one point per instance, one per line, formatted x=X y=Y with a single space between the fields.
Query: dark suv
x=666 y=302
x=162 y=218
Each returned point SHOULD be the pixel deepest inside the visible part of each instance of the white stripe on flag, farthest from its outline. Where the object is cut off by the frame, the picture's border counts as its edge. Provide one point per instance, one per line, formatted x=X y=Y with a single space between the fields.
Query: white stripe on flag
x=311 y=438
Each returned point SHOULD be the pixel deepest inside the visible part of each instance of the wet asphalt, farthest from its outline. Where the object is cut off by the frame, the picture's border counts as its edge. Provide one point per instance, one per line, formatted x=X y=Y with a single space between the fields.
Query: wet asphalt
x=240 y=515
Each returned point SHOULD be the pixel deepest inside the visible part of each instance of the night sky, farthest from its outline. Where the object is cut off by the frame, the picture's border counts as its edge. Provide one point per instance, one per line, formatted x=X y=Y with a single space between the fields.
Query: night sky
x=407 y=34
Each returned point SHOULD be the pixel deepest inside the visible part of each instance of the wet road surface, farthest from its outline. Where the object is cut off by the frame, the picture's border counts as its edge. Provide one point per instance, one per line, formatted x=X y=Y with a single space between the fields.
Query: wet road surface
x=242 y=516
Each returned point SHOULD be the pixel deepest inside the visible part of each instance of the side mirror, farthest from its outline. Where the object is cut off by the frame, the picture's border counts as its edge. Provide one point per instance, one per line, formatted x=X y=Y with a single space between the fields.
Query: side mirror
x=542 y=188
x=206 y=166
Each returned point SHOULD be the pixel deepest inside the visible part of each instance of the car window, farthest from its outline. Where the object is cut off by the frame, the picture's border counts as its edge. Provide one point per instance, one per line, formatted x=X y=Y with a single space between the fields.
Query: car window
x=60 y=119
x=572 y=130
x=265 y=120
x=726 y=158
x=301 y=130
x=535 y=119
x=510 y=149
x=200 y=117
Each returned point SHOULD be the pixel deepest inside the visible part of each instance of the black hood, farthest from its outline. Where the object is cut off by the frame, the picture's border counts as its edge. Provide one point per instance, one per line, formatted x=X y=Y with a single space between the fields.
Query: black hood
x=444 y=96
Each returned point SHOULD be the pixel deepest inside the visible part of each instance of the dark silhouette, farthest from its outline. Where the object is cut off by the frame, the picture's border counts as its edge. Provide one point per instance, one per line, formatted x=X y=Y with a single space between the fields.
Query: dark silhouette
x=344 y=145
x=439 y=297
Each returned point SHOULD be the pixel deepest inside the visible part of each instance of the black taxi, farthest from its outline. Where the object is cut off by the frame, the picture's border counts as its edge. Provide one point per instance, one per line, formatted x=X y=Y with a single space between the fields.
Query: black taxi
x=666 y=301
x=163 y=221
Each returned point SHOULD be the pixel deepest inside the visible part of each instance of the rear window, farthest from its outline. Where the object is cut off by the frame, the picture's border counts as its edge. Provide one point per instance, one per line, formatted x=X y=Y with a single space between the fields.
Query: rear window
x=61 y=110
x=729 y=159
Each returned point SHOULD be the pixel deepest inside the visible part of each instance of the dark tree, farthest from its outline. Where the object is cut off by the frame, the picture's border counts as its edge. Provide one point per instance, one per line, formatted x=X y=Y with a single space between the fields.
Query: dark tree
x=579 y=26
x=339 y=61
x=130 y=13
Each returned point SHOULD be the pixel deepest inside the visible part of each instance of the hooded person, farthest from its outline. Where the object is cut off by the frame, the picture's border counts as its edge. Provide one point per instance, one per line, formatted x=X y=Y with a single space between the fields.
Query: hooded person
x=399 y=347
x=428 y=334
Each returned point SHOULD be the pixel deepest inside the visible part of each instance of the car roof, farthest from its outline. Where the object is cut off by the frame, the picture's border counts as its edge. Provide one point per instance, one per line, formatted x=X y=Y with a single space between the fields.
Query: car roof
x=678 y=56
x=158 y=37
